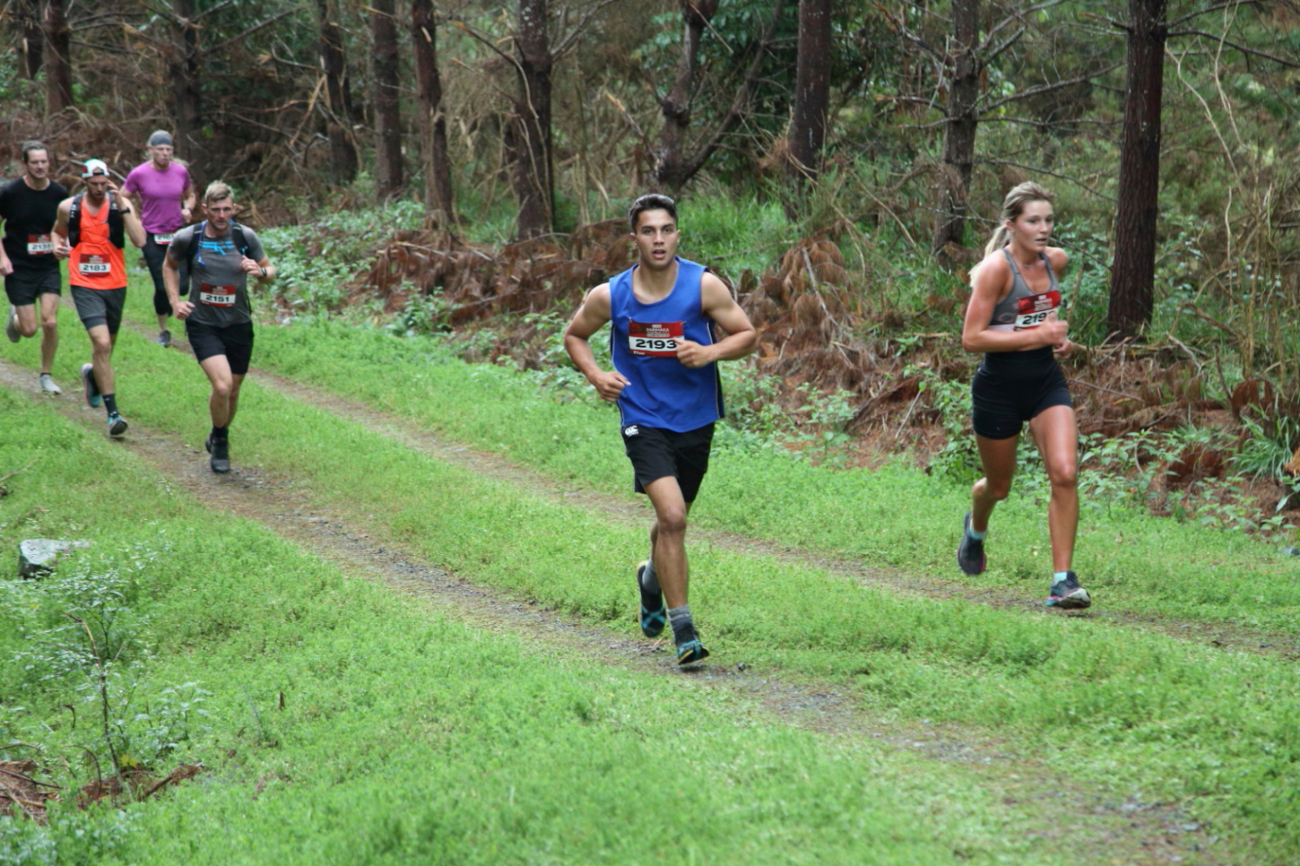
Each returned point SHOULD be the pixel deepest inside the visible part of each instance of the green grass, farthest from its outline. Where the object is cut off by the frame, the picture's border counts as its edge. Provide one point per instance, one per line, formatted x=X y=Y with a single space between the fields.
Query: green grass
x=345 y=723
x=1129 y=710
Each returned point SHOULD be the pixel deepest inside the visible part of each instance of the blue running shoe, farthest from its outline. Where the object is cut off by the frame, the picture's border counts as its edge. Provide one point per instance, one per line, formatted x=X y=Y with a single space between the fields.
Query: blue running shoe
x=116 y=425
x=654 y=616
x=92 y=390
x=1067 y=594
x=689 y=648
x=970 y=553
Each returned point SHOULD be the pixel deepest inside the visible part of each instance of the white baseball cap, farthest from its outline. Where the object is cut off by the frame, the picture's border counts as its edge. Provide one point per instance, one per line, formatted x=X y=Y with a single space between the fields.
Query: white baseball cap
x=95 y=167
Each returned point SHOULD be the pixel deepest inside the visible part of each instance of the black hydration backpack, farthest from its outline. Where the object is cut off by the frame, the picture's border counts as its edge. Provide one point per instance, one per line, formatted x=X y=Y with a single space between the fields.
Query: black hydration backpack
x=116 y=227
x=236 y=234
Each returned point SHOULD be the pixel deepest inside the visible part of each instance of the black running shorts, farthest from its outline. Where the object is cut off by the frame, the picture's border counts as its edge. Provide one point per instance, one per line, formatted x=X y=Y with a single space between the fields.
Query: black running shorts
x=657 y=453
x=1003 y=400
x=24 y=287
x=233 y=341
x=99 y=306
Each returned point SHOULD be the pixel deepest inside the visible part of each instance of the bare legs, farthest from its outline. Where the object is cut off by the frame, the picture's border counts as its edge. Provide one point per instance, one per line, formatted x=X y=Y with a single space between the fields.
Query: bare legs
x=224 y=399
x=1057 y=437
x=668 y=538
x=49 y=326
x=101 y=354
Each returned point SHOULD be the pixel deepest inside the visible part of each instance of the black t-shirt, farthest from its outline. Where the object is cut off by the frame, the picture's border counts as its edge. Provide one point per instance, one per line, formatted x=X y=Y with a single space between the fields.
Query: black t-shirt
x=29 y=214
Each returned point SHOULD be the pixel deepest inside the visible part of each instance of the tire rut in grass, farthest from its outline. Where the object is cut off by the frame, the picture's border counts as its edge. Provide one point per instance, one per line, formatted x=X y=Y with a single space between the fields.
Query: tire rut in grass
x=1130 y=828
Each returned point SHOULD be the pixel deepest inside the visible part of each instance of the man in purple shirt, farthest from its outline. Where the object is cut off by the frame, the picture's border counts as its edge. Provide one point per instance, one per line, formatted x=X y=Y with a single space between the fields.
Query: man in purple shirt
x=164 y=198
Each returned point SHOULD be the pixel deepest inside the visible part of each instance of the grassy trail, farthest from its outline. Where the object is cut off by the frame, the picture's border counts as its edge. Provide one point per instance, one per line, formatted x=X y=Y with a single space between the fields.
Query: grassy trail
x=919 y=654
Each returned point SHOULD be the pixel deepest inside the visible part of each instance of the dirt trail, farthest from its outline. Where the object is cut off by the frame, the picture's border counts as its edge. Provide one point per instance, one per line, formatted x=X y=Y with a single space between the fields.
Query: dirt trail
x=1103 y=828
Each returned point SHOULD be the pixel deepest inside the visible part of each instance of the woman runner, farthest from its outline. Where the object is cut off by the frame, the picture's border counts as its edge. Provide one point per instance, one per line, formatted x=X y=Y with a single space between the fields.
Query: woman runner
x=1013 y=319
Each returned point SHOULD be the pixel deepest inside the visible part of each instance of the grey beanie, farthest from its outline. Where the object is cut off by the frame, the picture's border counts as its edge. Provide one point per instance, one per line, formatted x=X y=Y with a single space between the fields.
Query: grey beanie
x=160 y=138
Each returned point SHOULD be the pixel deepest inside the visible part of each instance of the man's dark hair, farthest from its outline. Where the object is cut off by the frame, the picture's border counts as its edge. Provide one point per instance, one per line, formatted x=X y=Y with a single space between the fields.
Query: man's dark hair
x=33 y=144
x=653 y=201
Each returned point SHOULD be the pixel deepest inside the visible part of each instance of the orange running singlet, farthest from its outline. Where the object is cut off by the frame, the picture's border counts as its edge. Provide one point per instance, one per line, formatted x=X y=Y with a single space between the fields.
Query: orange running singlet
x=96 y=262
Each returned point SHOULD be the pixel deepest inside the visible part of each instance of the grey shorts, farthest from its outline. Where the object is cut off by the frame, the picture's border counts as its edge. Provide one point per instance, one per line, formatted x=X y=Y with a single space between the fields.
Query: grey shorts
x=99 y=306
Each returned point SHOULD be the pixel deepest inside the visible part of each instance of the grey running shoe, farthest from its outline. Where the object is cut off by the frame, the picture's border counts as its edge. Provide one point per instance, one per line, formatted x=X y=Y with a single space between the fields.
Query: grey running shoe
x=220 y=451
x=11 y=325
x=48 y=386
x=165 y=338
x=116 y=425
x=1067 y=593
x=970 y=553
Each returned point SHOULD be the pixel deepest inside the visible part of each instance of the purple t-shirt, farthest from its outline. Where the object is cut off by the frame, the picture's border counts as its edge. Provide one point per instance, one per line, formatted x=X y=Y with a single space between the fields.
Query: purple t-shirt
x=160 y=195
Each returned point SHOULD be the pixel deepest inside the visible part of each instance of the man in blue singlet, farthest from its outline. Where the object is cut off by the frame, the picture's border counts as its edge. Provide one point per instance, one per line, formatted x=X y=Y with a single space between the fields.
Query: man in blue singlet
x=663 y=312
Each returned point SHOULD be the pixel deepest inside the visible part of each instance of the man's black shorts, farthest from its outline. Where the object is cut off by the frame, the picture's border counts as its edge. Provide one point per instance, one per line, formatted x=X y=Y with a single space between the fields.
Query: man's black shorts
x=233 y=341
x=1002 y=401
x=99 y=306
x=24 y=287
x=657 y=453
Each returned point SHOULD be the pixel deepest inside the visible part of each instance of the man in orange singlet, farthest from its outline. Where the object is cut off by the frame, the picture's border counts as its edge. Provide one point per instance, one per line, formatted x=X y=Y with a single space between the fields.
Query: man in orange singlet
x=91 y=232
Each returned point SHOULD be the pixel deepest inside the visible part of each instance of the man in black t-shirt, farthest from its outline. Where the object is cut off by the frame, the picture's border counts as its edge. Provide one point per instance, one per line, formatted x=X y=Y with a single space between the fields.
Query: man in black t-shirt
x=29 y=207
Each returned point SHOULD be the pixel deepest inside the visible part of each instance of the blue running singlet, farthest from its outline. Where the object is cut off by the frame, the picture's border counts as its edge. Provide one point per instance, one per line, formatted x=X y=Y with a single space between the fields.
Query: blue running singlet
x=662 y=392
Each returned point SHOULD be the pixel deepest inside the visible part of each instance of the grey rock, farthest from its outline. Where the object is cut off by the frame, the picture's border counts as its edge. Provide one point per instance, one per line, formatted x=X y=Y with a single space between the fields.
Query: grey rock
x=36 y=556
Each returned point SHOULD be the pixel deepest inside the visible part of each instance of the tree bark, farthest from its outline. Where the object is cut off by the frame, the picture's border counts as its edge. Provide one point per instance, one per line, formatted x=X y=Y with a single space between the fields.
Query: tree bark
x=333 y=62
x=811 y=91
x=672 y=169
x=438 y=199
x=28 y=13
x=534 y=187
x=388 y=118
x=1133 y=274
x=58 y=59
x=964 y=68
x=187 y=102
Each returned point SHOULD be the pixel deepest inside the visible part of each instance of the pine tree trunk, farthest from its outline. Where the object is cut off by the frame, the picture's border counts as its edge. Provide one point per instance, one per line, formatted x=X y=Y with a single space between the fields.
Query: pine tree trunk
x=187 y=103
x=811 y=91
x=1133 y=274
x=532 y=121
x=58 y=59
x=388 y=118
x=953 y=206
x=333 y=61
x=438 y=199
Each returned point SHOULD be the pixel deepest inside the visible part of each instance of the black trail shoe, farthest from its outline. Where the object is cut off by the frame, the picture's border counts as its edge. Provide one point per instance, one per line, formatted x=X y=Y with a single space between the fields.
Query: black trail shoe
x=970 y=553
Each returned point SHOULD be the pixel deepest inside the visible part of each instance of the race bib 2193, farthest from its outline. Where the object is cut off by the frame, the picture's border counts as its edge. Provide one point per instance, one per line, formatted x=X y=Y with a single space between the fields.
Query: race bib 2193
x=656 y=339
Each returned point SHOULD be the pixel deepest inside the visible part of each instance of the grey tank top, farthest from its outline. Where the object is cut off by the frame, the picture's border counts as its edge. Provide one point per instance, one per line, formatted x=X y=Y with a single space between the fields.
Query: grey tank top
x=1022 y=308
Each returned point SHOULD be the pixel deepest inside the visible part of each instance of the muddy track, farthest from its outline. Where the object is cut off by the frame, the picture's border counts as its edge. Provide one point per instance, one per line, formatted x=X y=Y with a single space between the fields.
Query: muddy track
x=1110 y=829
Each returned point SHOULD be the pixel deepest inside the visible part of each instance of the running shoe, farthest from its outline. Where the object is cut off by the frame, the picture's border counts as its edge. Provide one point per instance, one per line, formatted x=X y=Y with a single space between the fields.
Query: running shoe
x=92 y=390
x=11 y=325
x=220 y=451
x=1067 y=593
x=689 y=648
x=165 y=338
x=654 y=616
x=970 y=553
x=116 y=425
x=48 y=386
